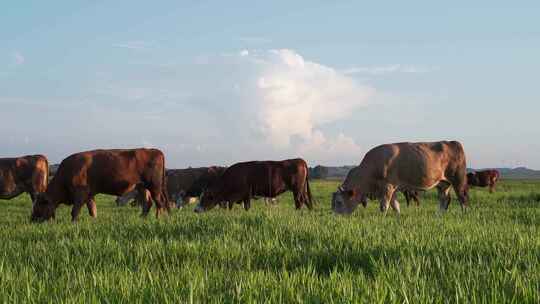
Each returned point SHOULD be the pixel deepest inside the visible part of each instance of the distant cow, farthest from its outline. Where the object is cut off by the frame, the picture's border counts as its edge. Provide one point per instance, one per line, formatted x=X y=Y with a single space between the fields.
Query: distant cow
x=115 y=172
x=412 y=166
x=243 y=181
x=486 y=178
x=183 y=185
x=28 y=174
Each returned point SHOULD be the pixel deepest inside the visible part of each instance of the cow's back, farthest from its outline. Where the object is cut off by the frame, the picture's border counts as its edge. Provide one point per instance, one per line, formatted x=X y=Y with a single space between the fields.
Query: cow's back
x=263 y=178
x=182 y=179
x=110 y=171
x=415 y=165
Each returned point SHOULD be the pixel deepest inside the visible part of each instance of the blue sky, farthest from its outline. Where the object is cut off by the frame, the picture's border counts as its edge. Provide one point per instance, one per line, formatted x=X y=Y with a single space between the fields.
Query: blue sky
x=220 y=82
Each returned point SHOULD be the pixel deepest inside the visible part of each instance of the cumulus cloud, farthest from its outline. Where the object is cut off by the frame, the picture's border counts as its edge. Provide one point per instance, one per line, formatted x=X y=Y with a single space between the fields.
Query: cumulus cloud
x=281 y=101
x=18 y=58
x=252 y=104
x=297 y=96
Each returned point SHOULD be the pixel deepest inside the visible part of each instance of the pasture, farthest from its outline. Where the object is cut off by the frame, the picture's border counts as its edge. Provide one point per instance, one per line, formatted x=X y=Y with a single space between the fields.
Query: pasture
x=275 y=254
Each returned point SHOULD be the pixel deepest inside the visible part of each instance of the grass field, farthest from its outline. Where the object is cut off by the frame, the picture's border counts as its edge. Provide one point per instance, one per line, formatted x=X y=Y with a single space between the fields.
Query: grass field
x=276 y=254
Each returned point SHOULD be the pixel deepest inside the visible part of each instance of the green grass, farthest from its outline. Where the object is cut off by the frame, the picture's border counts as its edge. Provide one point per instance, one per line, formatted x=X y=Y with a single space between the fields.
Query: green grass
x=276 y=254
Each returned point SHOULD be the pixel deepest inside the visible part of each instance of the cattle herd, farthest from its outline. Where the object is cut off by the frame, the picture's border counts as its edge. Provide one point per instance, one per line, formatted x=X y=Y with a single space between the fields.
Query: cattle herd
x=139 y=175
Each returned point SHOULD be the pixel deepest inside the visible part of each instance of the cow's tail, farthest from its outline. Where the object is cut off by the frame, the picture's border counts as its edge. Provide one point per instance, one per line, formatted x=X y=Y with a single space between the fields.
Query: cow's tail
x=164 y=191
x=308 y=190
x=310 y=195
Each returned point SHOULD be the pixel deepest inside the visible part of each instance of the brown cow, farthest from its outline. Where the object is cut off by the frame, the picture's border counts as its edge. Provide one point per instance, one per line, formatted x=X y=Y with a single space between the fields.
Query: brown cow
x=247 y=180
x=485 y=178
x=28 y=174
x=411 y=166
x=83 y=175
x=183 y=185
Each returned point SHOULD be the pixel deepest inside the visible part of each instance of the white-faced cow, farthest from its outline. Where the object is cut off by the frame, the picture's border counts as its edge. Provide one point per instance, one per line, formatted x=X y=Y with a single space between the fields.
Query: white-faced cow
x=183 y=185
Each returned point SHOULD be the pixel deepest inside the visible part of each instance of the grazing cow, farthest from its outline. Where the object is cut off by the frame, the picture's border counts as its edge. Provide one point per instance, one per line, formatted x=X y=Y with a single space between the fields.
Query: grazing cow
x=83 y=175
x=194 y=187
x=485 y=178
x=243 y=181
x=183 y=185
x=412 y=166
x=28 y=174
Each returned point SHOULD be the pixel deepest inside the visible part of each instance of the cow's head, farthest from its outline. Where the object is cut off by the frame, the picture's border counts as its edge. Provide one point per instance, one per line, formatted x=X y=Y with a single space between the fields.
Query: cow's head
x=345 y=201
x=472 y=179
x=44 y=209
x=207 y=201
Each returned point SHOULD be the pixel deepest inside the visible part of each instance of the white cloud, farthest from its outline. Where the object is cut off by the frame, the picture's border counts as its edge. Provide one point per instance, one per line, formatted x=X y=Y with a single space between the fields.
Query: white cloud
x=18 y=58
x=297 y=96
x=252 y=104
x=386 y=69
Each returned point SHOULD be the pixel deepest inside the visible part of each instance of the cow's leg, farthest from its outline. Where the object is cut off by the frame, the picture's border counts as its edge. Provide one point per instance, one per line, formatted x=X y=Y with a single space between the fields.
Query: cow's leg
x=416 y=199
x=80 y=198
x=92 y=210
x=394 y=203
x=161 y=202
x=443 y=190
x=146 y=201
x=298 y=201
x=461 y=189
x=247 y=203
x=491 y=185
x=384 y=203
x=386 y=194
x=407 y=196
x=75 y=211
x=33 y=196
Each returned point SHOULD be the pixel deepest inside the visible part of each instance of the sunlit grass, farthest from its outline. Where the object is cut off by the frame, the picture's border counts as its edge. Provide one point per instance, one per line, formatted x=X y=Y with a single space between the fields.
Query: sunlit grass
x=277 y=254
